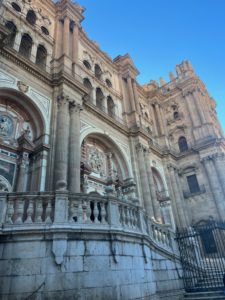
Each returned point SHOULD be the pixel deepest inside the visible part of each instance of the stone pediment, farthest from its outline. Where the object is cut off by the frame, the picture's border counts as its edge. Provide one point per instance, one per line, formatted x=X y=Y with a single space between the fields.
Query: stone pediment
x=127 y=64
x=25 y=144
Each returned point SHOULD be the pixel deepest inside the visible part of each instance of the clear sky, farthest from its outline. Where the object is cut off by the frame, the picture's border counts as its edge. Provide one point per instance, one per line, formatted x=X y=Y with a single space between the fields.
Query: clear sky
x=158 y=34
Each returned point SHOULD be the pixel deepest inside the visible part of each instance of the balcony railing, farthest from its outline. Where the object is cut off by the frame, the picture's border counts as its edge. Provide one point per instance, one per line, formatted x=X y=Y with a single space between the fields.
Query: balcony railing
x=188 y=193
x=61 y=211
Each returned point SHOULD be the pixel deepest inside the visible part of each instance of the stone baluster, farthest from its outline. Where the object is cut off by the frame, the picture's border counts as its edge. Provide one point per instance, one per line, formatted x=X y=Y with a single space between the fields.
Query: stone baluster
x=88 y=212
x=62 y=136
x=214 y=185
x=30 y=211
x=103 y=213
x=123 y=216
x=80 y=213
x=19 y=210
x=71 y=210
x=22 y=172
x=74 y=148
x=154 y=200
x=48 y=212
x=39 y=210
x=96 y=212
x=10 y=211
x=144 y=180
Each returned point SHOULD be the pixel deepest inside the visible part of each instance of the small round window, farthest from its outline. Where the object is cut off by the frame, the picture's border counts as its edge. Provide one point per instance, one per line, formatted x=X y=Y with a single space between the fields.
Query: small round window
x=16 y=6
x=44 y=30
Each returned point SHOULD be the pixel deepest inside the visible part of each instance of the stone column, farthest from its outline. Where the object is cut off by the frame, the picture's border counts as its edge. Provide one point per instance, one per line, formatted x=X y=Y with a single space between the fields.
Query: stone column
x=200 y=109
x=191 y=108
x=17 y=41
x=109 y=159
x=75 y=43
x=183 y=219
x=159 y=117
x=33 y=52
x=62 y=136
x=219 y=162
x=136 y=97
x=144 y=181
x=105 y=108
x=74 y=148
x=22 y=174
x=131 y=94
x=214 y=185
x=154 y=200
x=66 y=32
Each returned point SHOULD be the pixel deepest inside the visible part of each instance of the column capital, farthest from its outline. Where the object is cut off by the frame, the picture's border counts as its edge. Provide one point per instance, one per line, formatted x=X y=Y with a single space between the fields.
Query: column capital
x=75 y=107
x=140 y=147
x=62 y=100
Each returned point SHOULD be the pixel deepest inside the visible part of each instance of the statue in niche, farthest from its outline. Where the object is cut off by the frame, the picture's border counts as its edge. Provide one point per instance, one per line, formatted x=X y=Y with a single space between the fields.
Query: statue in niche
x=6 y=126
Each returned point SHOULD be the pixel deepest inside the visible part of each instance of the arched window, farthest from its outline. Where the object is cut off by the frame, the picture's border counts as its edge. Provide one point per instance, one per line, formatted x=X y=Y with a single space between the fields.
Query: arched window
x=98 y=72
x=12 y=28
x=87 y=84
x=31 y=17
x=182 y=143
x=108 y=82
x=26 y=45
x=99 y=98
x=41 y=56
x=16 y=7
x=87 y=64
x=110 y=107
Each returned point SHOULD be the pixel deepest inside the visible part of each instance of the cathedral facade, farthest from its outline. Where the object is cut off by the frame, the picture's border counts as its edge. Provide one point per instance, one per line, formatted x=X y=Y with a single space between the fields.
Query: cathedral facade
x=97 y=171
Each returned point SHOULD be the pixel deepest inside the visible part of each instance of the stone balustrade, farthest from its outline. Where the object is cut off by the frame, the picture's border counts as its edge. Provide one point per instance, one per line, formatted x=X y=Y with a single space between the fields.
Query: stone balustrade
x=25 y=208
x=18 y=211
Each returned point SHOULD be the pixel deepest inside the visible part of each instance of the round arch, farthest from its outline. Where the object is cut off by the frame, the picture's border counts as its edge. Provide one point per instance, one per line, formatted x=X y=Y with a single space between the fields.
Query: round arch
x=23 y=102
x=158 y=179
x=120 y=154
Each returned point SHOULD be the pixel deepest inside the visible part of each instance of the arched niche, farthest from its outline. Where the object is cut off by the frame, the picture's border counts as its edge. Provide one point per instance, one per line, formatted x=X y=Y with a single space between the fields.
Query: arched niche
x=159 y=185
x=103 y=161
x=22 y=129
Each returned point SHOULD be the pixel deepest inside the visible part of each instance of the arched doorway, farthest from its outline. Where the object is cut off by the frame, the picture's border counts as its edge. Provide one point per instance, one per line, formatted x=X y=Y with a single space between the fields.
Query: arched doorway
x=21 y=131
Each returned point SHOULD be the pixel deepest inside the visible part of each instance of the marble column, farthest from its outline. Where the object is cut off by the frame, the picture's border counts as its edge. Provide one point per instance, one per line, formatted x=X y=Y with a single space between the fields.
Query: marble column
x=66 y=32
x=131 y=94
x=144 y=181
x=22 y=174
x=183 y=218
x=214 y=185
x=219 y=162
x=74 y=147
x=154 y=200
x=62 y=136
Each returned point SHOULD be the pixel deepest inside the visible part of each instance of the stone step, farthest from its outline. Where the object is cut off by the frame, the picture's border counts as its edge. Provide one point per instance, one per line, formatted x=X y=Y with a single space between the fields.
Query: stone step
x=208 y=295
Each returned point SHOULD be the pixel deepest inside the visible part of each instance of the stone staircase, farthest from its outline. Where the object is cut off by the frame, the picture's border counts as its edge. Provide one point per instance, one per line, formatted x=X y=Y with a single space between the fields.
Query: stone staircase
x=209 y=295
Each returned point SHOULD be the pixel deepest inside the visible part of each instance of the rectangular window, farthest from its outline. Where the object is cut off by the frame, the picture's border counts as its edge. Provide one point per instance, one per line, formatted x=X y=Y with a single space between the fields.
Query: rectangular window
x=193 y=184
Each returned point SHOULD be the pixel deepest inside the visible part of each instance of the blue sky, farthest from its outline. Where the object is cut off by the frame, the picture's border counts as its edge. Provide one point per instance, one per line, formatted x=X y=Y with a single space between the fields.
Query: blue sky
x=158 y=34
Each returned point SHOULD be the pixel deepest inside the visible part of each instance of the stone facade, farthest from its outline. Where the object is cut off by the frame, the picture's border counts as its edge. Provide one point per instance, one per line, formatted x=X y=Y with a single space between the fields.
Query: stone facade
x=96 y=171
